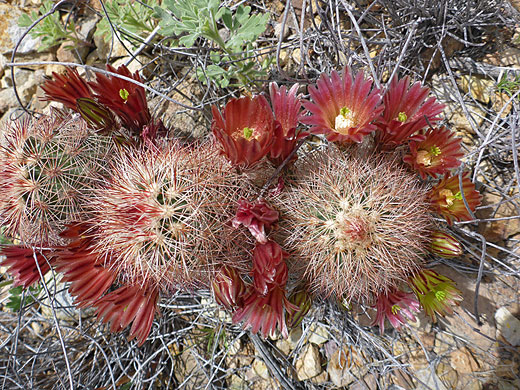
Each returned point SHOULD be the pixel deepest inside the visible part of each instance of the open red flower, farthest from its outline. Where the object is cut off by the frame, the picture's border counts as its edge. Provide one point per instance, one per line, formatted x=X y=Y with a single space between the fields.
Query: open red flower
x=66 y=88
x=246 y=130
x=287 y=111
x=446 y=198
x=257 y=217
x=21 y=263
x=407 y=110
x=82 y=266
x=436 y=154
x=126 y=99
x=129 y=304
x=343 y=108
x=395 y=306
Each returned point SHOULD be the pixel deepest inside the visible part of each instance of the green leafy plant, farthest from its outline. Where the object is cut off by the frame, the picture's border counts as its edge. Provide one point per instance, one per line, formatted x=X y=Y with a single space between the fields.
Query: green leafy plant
x=508 y=85
x=14 y=300
x=51 y=29
x=234 y=32
x=133 y=19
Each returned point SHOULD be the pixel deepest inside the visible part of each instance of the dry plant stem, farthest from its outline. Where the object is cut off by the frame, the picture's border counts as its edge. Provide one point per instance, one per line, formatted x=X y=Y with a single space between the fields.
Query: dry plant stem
x=143 y=45
x=479 y=277
x=106 y=73
x=272 y=364
x=363 y=42
x=56 y=322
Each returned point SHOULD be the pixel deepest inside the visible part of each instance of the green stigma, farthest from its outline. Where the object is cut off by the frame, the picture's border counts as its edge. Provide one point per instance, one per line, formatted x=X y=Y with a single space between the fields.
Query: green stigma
x=402 y=117
x=396 y=309
x=248 y=132
x=435 y=151
x=458 y=196
x=440 y=295
x=344 y=111
x=124 y=94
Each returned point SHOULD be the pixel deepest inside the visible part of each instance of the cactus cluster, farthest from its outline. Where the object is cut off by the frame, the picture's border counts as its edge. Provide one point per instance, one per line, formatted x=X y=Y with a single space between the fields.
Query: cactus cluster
x=107 y=197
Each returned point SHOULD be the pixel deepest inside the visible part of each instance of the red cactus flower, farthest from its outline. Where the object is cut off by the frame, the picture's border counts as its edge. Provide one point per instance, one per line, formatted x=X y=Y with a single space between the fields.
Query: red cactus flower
x=246 y=130
x=436 y=293
x=126 y=99
x=343 y=108
x=444 y=245
x=67 y=88
x=21 y=263
x=436 y=154
x=287 y=111
x=257 y=217
x=82 y=266
x=393 y=306
x=228 y=287
x=265 y=312
x=269 y=268
x=446 y=198
x=407 y=110
x=129 y=304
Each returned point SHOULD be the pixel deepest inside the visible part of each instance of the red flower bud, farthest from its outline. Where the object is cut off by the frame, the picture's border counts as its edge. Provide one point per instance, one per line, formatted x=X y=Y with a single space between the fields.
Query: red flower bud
x=228 y=287
x=444 y=245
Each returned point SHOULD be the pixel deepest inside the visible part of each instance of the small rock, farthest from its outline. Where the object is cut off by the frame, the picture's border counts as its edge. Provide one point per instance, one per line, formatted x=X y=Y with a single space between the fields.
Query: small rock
x=69 y=51
x=297 y=56
x=318 y=334
x=344 y=366
x=428 y=380
x=308 y=364
x=443 y=343
x=188 y=371
x=368 y=382
x=113 y=48
x=458 y=119
x=463 y=361
x=447 y=375
x=290 y=343
x=3 y=61
x=478 y=87
x=508 y=326
x=321 y=378
x=11 y=32
x=261 y=369
x=235 y=382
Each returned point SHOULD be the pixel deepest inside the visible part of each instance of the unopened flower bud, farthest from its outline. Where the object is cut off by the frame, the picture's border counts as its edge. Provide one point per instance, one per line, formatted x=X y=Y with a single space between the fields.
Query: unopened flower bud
x=228 y=287
x=96 y=115
x=444 y=245
x=302 y=299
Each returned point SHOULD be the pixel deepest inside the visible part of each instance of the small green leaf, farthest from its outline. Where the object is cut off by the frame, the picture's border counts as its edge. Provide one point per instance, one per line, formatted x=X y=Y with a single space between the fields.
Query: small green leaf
x=227 y=18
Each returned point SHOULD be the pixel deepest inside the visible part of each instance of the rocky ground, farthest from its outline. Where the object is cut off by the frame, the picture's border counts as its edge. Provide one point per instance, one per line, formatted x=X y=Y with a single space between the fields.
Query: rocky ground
x=334 y=347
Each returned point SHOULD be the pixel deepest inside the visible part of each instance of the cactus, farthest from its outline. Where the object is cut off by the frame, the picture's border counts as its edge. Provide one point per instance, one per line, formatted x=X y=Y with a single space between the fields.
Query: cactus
x=47 y=166
x=356 y=226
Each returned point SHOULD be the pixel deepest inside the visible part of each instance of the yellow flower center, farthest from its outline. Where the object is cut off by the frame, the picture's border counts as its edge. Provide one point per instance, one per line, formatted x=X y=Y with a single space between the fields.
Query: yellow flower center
x=424 y=157
x=402 y=117
x=448 y=196
x=345 y=121
x=435 y=150
x=440 y=296
x=123 y=93
x=395 y=309
x=248 y=132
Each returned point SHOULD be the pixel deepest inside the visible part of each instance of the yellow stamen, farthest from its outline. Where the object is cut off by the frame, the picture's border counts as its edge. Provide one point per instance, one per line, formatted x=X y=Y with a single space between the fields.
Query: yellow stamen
x=440 y=295
x=248 y=132
x=123 y=93
x=448 y=195
x=395 y=309
x=345 y=121
x=435 y=150
x=402 y=117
